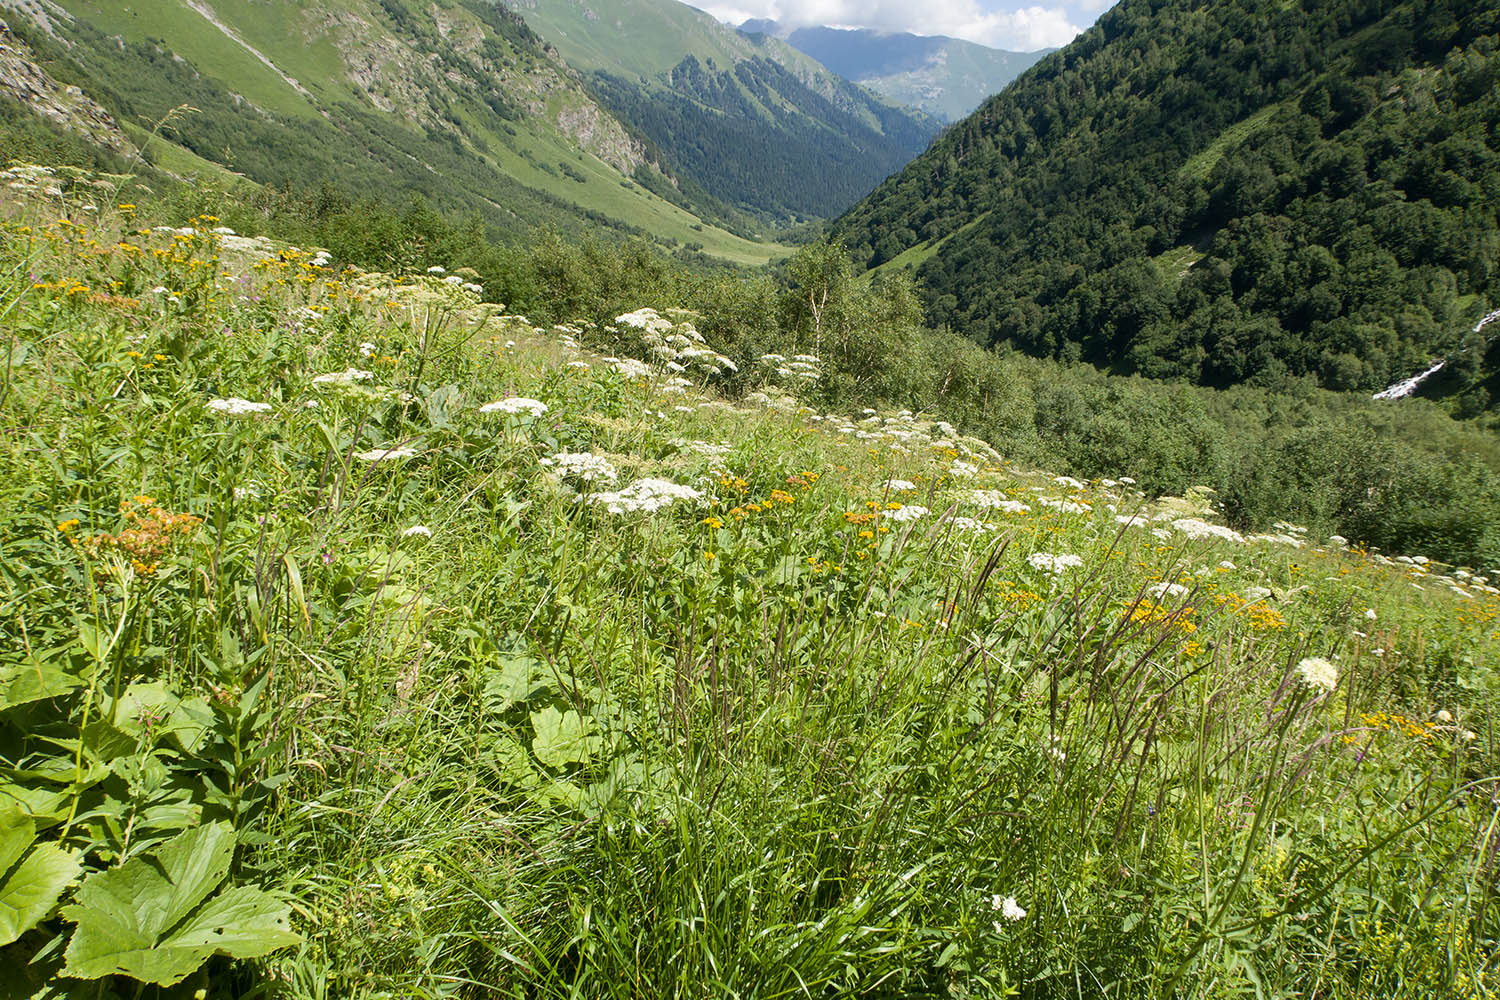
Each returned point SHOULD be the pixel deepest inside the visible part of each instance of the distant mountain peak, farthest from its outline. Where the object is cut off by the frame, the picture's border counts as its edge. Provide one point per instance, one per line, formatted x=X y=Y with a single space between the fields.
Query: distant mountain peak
x=945 y=77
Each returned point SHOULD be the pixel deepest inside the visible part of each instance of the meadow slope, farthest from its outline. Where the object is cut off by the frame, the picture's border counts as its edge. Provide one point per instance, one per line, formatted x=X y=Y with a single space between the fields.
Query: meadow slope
x=434 y=654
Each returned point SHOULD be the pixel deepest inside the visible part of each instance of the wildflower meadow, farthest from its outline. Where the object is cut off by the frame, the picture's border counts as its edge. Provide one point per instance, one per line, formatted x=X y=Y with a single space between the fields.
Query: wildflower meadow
x=361 y=639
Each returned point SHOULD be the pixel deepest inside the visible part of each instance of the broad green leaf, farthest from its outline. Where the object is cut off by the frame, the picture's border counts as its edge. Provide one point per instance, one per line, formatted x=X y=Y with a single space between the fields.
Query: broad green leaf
x=150 y=713
x=159 y=893
x=39 y=803
x=512 y=764
x=35 y=680
x=561 y=737
x=510 y=684
x=29 y=889
x=242 y=922
x=147 y=919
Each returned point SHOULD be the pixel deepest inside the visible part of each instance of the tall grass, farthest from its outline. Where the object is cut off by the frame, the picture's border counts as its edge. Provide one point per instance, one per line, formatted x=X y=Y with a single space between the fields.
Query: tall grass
x=787 y=741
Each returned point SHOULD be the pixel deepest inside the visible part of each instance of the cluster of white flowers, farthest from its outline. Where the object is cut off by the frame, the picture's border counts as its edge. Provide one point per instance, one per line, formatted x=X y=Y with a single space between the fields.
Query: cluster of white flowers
x=1065 y=506
x=384 y=454
x=963 y=470
x=1008 y=908
x=646 y=495
x=996 y=500
x=417 y=531
x=629 y=367
x=1255 y=594
x=1165 y=589
x=1316 y=672
x=677 y=347
x=234 y=406
x=455 y=281
x=516 y=404
x=347 y=377
x=1053 y=563
x=367 y=349
x=1198 y=529
x=908 y=512
x=705 y=448
x=801 y=368
x=897 y=485
x=1069 y=482
x=582 y=465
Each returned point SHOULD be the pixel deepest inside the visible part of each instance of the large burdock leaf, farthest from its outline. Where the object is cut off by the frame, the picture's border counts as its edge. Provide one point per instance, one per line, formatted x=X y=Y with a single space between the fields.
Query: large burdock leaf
x=152 y=918
x=30 y=881
x=561 y=737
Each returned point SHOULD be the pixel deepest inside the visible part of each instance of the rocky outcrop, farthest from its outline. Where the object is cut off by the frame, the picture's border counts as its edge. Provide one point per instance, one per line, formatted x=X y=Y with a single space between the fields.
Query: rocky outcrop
x=22 y=80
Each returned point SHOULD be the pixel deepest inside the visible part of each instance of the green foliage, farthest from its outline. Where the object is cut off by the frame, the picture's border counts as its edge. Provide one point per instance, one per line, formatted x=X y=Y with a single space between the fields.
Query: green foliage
x=34 y=874
x=291 y=612
x=157 y=917
x=1335 y=190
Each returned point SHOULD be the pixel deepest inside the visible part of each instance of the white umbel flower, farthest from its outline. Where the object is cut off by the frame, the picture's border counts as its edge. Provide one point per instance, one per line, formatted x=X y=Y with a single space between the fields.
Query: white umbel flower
x=1009 y=909
x=1053 y=563
x=1316 y=672
x=384 y=454
x=516 y=404
x=417 y=531
x=347 y=377
x=648 y=495
x=234 y=406
x=581 y=465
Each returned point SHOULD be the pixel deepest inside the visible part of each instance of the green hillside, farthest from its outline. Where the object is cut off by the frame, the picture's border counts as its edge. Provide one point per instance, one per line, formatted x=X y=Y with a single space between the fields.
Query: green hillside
x=458 y=102
x=1318 y=183
x=747 y=121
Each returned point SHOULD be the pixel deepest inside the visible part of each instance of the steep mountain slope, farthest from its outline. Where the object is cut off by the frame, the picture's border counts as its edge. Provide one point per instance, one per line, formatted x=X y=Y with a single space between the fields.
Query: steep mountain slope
x=749 y=121
x=1225 y=192
x=945 y=77
x=454 y=100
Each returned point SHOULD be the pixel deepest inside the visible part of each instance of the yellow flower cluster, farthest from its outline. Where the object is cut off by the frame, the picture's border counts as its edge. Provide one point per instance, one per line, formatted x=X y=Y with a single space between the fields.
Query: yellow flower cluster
x=1389 y=723
x=1264 y=618
x=1017 y=598
x=151 y=533
x=1151 y=613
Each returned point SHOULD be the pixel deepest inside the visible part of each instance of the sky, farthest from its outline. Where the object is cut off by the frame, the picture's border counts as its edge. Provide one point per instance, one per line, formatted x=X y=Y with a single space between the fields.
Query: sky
x=1001 y=24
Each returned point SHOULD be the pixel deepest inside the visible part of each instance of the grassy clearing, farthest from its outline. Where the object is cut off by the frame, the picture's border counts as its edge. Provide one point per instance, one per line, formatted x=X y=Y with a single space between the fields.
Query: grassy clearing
x=859 y=708
x=914 y=257
x=1201 y=164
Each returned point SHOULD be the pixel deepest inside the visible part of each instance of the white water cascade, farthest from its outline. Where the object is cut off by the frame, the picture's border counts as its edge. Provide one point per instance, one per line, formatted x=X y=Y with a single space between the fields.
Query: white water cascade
x=1408 y=386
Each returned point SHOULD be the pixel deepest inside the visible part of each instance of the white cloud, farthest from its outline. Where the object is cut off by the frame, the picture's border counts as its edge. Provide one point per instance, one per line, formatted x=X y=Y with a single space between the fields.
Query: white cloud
x=1021 y=29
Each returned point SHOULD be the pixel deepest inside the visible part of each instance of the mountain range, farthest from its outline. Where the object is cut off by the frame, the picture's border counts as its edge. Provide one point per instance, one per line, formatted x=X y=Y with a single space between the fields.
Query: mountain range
x=945 y=77
x=1236 y=192
x=750 y=121
x=662 y=123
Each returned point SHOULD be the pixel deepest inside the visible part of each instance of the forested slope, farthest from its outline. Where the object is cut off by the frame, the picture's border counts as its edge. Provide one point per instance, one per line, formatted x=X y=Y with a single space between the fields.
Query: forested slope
x=744 y=120
x=1226 y=192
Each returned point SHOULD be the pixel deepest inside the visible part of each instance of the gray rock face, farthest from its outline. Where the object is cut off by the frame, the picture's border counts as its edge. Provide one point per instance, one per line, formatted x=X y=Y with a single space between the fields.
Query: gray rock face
x=21 y=79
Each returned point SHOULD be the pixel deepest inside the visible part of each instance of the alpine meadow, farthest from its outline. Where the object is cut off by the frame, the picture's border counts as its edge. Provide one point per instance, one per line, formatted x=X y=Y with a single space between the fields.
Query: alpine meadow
x=574 y=500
